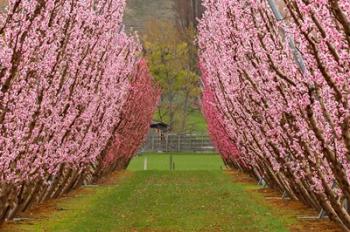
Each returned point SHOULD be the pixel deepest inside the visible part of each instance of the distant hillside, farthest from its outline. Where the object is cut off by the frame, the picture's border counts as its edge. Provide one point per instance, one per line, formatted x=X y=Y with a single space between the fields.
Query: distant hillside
x=139 y=11
x=2 y=4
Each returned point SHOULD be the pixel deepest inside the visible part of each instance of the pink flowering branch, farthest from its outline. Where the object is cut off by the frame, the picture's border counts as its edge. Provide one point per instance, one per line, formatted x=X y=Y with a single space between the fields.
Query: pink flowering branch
x=281 y=89
x=67 y=79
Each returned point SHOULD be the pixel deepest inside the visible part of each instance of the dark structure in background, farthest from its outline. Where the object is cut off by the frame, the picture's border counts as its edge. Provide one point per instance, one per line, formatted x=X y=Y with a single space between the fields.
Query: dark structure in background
x=160 y=129
x=160 y=139
x=160 y=126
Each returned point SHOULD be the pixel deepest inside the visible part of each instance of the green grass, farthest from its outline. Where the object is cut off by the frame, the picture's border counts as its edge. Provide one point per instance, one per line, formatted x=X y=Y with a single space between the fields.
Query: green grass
x=198 y=122
x=206 y=200
x=183 y=161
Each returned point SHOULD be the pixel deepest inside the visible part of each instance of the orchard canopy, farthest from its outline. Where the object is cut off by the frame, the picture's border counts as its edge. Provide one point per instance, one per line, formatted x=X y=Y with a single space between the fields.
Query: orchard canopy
x=77 y=97
x=276 y=94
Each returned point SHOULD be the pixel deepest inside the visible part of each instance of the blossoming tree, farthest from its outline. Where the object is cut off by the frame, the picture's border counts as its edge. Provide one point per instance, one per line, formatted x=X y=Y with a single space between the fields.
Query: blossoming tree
x=279 y=73
x=68 y=73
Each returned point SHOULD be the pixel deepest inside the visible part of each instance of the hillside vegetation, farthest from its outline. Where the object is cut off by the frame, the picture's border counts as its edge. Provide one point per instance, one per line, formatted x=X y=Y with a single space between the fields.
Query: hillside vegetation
x=140 y=11
x=2 y=4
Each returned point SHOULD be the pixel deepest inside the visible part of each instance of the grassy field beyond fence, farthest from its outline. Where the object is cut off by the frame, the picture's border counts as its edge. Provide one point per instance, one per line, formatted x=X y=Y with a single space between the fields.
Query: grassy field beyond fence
x=183 y=161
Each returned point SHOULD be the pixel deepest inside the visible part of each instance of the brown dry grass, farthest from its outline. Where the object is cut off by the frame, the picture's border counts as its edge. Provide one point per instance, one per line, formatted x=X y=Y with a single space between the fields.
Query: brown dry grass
x=294 y=208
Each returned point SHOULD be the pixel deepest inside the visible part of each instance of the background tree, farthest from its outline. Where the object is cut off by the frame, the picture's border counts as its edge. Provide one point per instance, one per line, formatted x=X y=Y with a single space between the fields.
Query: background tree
x=182 y=17
x=170 y=63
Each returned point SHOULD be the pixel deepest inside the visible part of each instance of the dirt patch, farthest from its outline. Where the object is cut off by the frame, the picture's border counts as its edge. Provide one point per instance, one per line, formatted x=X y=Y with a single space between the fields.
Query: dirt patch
x=44 y=210
x=305 y=217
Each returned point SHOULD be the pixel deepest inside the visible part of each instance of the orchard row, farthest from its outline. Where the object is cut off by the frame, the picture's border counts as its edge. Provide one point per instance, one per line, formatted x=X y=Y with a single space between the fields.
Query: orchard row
x=276 y=76
x=76 y=98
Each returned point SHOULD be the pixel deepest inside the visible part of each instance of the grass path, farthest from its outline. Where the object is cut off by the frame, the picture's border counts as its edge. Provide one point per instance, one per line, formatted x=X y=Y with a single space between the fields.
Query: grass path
x=183 y=162
x=164 y=201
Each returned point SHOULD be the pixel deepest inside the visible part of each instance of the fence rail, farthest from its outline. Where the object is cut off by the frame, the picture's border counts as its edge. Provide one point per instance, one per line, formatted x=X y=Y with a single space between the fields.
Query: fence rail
x=178 y=143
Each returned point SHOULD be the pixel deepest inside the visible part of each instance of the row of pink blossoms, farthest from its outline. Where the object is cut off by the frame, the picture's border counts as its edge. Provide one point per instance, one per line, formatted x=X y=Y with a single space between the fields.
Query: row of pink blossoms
x=76 y=98
x=276 y=94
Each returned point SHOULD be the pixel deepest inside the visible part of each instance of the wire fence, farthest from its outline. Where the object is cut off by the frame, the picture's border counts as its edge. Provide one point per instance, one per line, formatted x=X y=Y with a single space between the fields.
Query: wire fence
x=178 y=143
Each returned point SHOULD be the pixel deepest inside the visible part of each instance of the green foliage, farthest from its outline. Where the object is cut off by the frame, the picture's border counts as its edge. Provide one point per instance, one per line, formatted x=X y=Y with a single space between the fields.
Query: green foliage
x=170 y=58
x=197 y=123
x=177 y=74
